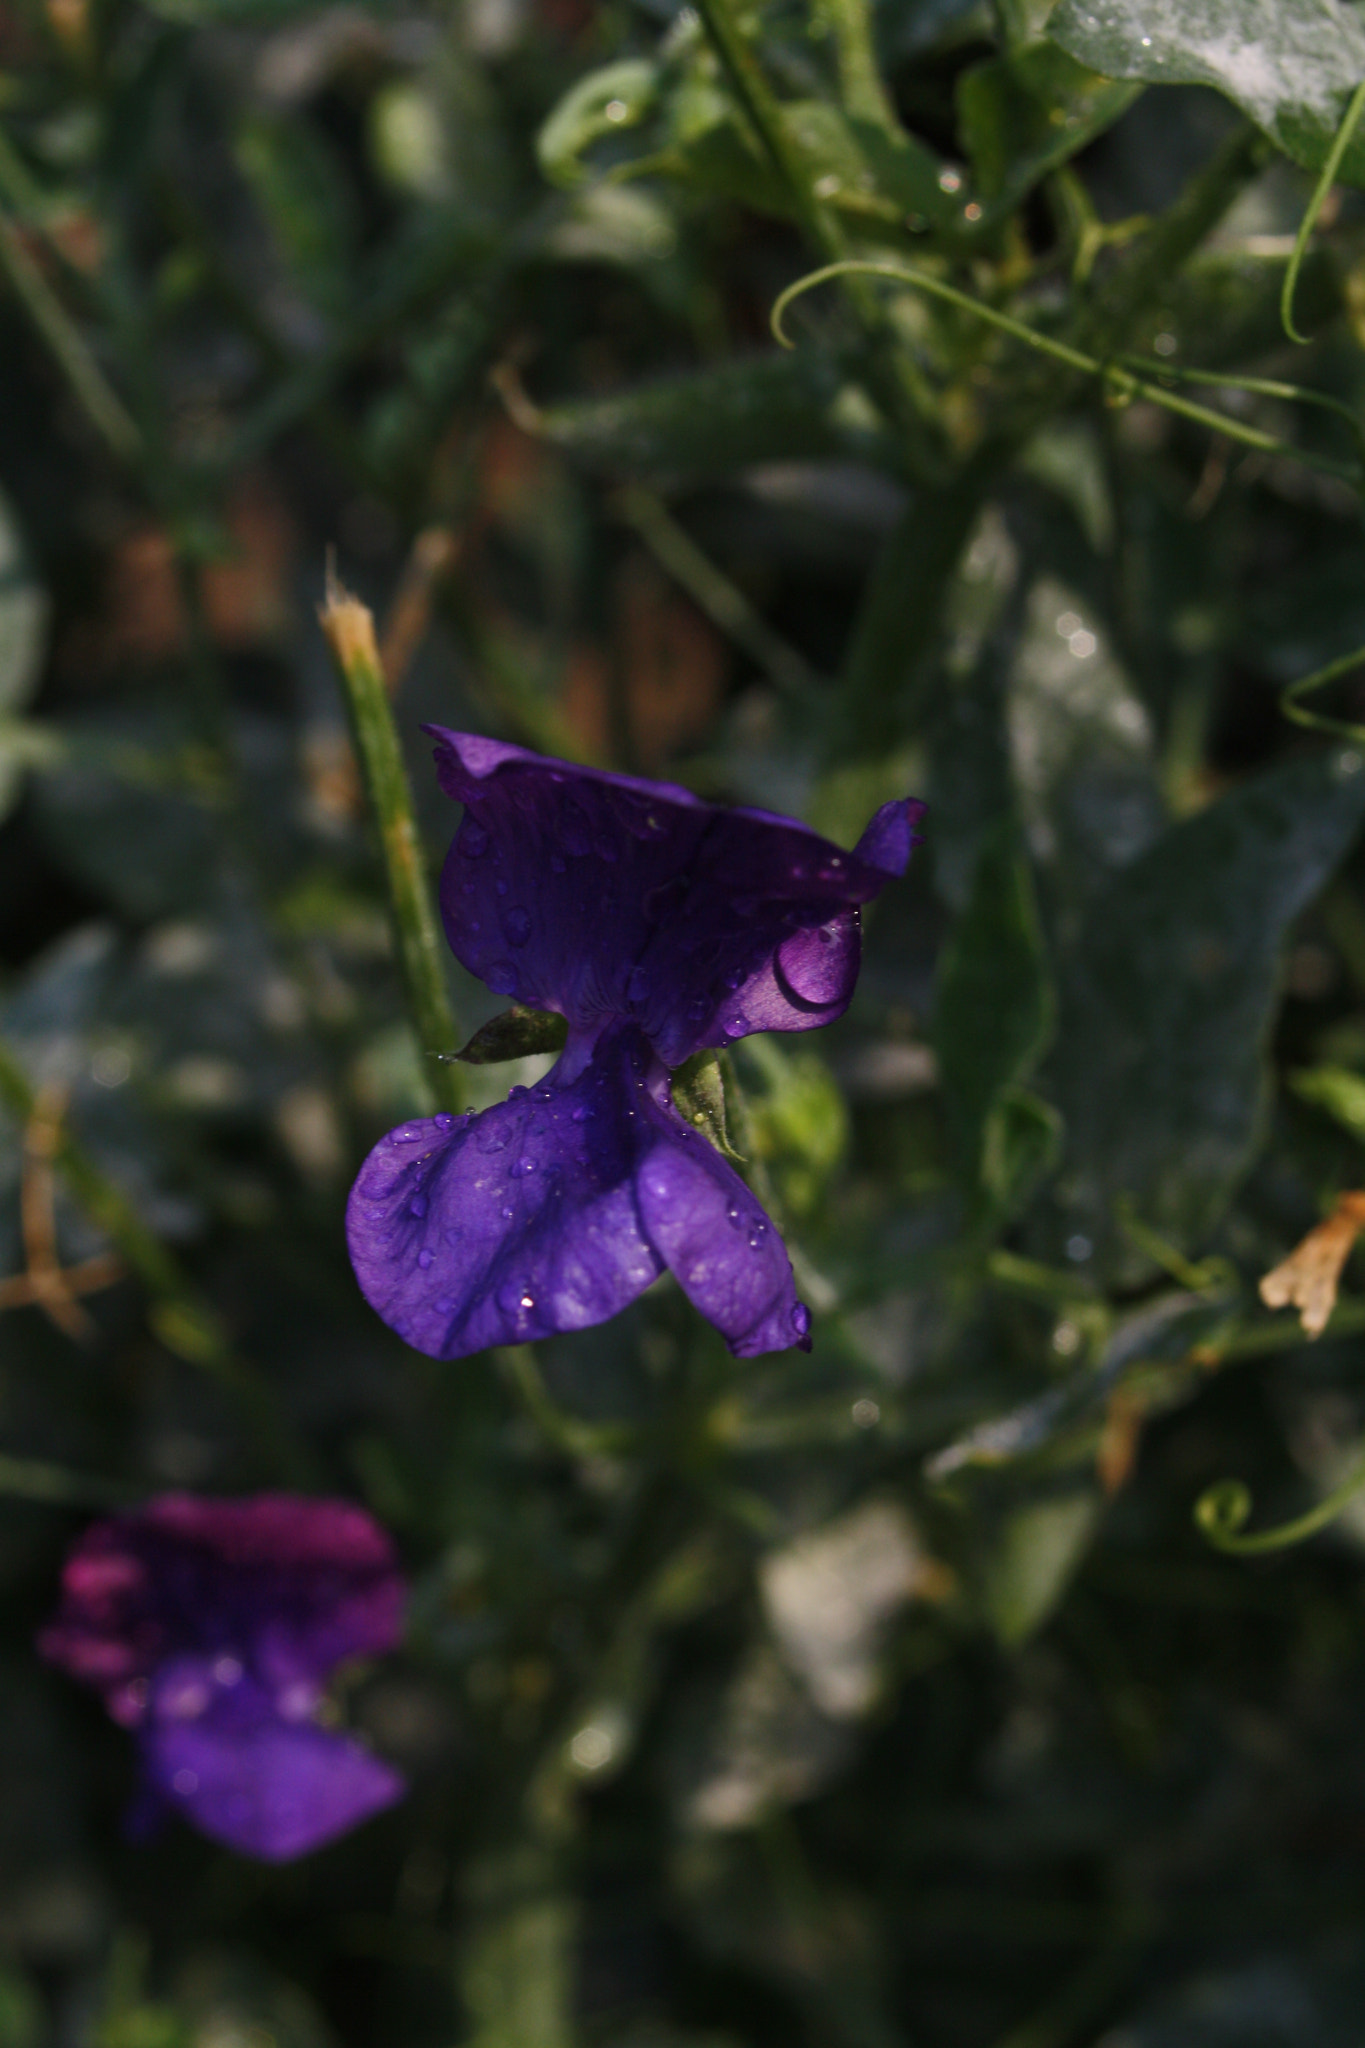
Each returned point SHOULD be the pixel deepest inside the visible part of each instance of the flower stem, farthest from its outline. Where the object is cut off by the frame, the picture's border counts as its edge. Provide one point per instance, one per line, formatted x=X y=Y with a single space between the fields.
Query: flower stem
x=349 y=627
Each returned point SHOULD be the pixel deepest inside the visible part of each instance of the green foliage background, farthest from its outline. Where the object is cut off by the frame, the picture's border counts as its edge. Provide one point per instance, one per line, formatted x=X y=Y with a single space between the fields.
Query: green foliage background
x=884 y=1696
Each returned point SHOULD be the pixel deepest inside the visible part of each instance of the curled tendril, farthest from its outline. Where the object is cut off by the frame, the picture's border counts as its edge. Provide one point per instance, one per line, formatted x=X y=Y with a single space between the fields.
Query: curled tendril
x=1121 y=383
x=1350 y=122
x=1222 y=1513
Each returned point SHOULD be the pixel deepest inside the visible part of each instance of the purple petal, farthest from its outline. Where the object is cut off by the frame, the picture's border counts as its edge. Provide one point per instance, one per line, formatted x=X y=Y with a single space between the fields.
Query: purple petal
x=613 y=899
x=890 y=837
x=260 y=1783
x=514 y=1224
x=727 y=1257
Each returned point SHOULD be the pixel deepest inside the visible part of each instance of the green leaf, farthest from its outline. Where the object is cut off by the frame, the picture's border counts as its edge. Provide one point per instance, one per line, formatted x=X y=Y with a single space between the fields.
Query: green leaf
x=1022 y=115
x=514 y=1034
x=1167 y=999
x=1337 y=1090
x=1032 y=1559
x=993 y=1008
x=1290 y=64
x=606 y=102
x=699 y=1095
x=301 y=189
x=1021 y=1143
x=711 y=422
x=21 y=2023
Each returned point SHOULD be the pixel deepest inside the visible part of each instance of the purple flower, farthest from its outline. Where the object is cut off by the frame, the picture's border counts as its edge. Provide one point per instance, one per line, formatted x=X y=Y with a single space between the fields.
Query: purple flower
x=657 y=925
x=211 y=1628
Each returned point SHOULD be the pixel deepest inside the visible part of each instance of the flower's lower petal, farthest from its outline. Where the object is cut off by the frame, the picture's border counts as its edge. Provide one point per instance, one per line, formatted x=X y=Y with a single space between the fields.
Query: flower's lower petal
x=512 y=1225
x=727 y=1257
x=261 y=1784
x=890 y=836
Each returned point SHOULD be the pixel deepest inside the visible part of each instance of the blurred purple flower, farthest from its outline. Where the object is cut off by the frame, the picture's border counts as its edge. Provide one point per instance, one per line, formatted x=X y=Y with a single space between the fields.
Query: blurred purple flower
x=211 y=1628
x=657 y=925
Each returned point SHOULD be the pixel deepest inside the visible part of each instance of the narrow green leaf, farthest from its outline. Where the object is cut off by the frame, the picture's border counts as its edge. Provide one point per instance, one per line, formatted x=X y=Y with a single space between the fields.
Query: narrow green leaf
x=1022 y=115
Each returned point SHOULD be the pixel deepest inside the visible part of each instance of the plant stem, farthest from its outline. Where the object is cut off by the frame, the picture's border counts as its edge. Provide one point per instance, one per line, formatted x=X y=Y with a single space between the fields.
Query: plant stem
x=349 y=628
x=894 y=381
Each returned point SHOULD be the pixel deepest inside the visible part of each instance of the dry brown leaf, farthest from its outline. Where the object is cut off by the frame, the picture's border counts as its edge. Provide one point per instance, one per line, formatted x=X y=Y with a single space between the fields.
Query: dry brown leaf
x=1307 y=1280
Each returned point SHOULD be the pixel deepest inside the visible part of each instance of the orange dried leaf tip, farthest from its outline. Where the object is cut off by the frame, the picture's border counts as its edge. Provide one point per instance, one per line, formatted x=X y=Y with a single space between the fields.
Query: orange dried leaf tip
x=1308 y=1279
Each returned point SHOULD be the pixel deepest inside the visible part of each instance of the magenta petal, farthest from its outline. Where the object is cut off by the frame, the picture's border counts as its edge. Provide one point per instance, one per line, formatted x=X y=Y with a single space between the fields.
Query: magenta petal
x=721 y=1247
x=514 y=1224
x=262 y=1784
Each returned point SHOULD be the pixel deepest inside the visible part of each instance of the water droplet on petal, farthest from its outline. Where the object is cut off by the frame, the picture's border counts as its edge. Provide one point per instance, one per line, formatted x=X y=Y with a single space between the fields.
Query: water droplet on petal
x=473 y=840
x=735 y=1024
x=801 y=1319
x=493 y=1137
x=406 y=1134
x=424 y=1258
x=444 y=1120
x=417 y=1206
x=501 y=977
x=507 y=1213
x=501 y=885
x=733 y=1216
x=517 y=925
x=521 y=1167
x=581 y=1113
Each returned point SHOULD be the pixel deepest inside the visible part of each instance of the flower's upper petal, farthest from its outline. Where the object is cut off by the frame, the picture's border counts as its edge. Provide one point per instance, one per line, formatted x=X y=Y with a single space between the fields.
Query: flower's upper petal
x=610 y=898
x=285 y=1585
x=256 y=1780
x=514 y=1224
x=723 y=1250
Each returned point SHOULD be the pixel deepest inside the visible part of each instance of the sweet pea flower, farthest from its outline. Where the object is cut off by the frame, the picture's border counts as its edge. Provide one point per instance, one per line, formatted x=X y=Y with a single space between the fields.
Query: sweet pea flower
x=657 y=925
x=211 y=1627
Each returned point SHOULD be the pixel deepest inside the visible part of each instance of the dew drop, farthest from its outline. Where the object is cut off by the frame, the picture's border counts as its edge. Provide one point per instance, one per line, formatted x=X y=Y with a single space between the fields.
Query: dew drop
x=801 y=1319
x=493 y=1138
x=507 y=1213
x=424 y=1258
x=417 y=1206
x=517 y=925
x=736 y=1024
x=758 y=1230
x=406 y=1134
x=454 y=1234
x=473 y=840
x=501 y=885
x=733 y=1216
x=501 y=977
x=581 y=1113
x=521 y=1167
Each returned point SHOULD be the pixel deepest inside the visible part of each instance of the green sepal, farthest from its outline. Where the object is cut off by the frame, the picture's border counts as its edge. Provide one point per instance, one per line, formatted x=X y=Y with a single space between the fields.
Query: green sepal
x=514 y=1034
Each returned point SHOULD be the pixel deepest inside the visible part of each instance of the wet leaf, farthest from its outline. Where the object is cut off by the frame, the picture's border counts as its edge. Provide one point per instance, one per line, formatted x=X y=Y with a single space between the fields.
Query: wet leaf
x=1290 y=64
x=993 y=1009
x=1167 y=997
